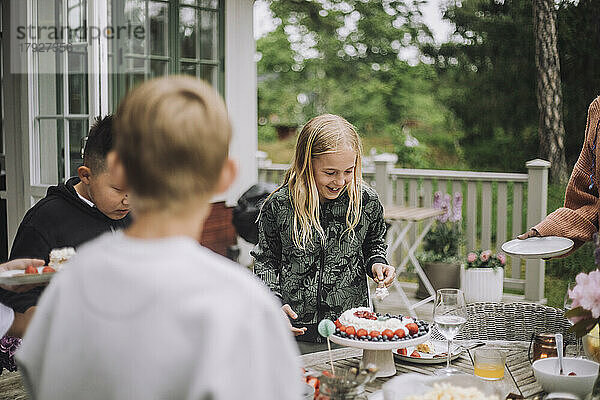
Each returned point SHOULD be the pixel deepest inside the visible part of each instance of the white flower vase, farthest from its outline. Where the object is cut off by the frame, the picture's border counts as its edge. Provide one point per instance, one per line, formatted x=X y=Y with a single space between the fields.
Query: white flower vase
x=482 y=284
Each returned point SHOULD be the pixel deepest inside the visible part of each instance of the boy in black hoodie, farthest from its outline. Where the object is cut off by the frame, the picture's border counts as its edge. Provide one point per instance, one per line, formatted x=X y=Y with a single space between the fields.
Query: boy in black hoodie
x=71 y=213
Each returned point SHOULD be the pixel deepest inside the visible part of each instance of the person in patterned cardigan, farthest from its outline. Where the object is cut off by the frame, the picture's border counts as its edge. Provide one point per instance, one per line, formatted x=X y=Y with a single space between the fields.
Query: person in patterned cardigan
x=578 y=219
x=322 y=232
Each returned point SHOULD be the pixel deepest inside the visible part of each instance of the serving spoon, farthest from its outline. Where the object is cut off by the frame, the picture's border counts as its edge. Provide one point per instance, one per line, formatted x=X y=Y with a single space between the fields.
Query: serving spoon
x=558 y=339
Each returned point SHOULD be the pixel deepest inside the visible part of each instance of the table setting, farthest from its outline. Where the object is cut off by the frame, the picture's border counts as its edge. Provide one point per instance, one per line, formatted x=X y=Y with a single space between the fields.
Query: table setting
x=475 y=369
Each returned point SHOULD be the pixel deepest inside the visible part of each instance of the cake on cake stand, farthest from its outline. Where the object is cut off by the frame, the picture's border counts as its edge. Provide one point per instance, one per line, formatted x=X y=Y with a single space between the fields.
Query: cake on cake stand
x=380 y=353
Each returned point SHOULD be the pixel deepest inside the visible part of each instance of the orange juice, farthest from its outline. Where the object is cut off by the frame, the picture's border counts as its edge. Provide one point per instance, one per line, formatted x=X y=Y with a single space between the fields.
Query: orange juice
x=489 y=370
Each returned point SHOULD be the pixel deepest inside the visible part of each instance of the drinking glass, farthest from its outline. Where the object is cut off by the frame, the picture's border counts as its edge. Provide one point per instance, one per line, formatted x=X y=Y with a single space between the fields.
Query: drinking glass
x=449 y=316
x=567 y=305
x=489 y=364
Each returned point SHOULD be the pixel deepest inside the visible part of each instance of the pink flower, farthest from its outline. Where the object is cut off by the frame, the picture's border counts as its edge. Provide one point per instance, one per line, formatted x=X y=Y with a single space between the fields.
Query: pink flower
x=485 y=255
x=587 y=292
x=471 y=257
x=502 y=258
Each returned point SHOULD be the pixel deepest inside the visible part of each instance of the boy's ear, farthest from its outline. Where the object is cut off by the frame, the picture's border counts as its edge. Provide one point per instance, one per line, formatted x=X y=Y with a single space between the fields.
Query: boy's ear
x=84 y=174
x=228 y=174
x=114 y=166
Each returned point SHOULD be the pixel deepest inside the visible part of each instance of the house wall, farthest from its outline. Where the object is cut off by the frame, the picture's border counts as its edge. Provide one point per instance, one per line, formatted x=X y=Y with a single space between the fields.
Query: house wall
x=218 y=232
x=241 y=100
x=240 y=97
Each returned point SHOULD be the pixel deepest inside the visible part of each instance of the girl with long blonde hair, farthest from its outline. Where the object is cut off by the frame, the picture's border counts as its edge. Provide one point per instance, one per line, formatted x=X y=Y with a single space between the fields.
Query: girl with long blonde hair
x=322 y=231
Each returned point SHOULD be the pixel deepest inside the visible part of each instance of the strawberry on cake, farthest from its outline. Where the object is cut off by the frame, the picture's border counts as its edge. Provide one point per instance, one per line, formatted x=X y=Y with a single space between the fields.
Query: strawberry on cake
x=363 y=324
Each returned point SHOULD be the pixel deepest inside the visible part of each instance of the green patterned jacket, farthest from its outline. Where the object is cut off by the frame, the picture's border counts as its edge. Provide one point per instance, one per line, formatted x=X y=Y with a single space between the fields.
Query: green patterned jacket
x=319 y=281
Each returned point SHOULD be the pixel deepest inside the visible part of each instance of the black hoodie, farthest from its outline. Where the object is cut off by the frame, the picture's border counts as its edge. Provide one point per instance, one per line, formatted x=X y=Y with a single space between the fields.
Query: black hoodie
x=61 y=219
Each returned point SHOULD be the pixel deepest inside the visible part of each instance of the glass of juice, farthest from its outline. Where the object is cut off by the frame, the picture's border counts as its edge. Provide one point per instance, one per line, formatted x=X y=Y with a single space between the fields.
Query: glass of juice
x=489 y=363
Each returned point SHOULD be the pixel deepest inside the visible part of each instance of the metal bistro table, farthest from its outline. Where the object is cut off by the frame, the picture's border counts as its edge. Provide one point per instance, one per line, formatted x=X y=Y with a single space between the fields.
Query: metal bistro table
x=518 y=374
x=401 y=220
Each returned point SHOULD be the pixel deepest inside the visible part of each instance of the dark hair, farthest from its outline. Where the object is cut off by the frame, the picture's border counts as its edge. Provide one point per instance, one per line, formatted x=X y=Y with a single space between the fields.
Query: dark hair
x=99 y=143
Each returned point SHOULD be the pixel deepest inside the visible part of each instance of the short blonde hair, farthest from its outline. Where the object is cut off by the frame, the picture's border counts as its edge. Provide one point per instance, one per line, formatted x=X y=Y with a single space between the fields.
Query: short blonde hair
x=172 y=135
x=324 y=134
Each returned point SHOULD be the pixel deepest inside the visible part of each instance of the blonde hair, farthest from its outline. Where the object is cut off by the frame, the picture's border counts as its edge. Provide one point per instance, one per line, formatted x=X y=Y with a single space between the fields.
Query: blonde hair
x=324 y=134
x=172 y=136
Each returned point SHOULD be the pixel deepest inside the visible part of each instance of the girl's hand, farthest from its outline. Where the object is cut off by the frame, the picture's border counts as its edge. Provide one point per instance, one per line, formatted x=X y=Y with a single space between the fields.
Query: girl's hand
x=287 y=310
x=384 y=273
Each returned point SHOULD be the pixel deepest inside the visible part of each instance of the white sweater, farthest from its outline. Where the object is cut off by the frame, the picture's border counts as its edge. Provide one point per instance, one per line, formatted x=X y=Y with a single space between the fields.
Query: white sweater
x=157 y=319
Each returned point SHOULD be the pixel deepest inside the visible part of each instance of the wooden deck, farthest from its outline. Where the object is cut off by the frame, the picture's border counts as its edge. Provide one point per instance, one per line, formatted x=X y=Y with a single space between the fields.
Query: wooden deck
x=11 y=387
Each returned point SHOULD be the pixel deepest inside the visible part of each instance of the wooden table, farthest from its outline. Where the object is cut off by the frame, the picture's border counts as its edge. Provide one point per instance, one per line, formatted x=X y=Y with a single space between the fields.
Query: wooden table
x=518 y=374
x=401 y=220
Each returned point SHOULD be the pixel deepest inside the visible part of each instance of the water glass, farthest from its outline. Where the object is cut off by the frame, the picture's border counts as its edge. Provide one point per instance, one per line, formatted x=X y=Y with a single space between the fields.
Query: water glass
x=449 y=316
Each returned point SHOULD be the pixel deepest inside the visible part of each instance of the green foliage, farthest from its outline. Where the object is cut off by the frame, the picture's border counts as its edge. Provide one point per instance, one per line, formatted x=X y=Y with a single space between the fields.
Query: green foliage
x=312 y=64
x=441 y=243
x=488 y=81
x=578 y=39
x=266 y=133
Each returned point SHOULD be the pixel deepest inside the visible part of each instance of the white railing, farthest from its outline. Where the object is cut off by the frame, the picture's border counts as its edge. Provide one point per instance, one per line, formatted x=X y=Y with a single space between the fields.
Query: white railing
x=487 y=196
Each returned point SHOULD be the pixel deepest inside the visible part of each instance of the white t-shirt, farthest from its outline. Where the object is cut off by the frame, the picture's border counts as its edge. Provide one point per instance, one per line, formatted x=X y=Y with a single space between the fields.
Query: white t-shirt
x=7 y=316
x=157 y=319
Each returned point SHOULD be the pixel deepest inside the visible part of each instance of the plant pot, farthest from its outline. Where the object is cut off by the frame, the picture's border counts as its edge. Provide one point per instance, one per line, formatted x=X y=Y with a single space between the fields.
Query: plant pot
x=441 y=275
x=482 y=284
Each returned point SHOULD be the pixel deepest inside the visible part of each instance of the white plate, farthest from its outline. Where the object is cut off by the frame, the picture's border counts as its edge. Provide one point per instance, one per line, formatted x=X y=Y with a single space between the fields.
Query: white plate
x=19 y=277
x=379 y=345
x=538 y=247
x=438 y=347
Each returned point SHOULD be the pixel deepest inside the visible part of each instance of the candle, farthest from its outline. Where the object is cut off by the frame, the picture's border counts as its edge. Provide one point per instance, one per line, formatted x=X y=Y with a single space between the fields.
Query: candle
x=544 y=346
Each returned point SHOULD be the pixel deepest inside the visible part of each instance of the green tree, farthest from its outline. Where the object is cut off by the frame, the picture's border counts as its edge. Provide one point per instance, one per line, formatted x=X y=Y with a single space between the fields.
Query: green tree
x=487 y=79
x=488 y=76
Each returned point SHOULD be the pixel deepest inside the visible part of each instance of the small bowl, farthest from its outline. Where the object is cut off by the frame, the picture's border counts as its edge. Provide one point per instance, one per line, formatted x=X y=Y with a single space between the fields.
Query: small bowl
x=546 y=373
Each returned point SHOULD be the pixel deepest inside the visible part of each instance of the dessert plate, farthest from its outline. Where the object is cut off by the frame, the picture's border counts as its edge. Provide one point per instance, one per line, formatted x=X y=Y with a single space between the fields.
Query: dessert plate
x=437 y=357
x=538 y=247
x=19 y=277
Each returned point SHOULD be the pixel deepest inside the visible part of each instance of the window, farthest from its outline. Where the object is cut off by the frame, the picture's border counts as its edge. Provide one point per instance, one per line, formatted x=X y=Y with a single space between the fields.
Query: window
x=61 y=107
x=180 y=36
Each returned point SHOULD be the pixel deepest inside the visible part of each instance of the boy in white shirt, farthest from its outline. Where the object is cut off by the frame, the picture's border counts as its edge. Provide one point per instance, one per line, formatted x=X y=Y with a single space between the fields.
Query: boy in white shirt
x=149 y=313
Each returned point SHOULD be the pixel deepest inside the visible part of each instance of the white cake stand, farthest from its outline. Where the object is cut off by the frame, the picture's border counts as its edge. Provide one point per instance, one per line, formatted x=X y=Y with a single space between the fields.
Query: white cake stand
x=380 y=353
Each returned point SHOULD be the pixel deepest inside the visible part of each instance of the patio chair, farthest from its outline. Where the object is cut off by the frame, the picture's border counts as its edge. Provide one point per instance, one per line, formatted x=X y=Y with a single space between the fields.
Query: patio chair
x=512 y=322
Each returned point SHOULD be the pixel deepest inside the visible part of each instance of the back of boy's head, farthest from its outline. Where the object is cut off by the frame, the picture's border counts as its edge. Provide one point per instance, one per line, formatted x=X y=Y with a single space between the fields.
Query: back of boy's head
x=99 y=142
x=172 y=136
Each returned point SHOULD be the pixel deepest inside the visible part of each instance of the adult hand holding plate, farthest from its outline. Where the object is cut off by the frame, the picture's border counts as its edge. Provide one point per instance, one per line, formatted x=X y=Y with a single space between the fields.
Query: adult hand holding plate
x=538 y=247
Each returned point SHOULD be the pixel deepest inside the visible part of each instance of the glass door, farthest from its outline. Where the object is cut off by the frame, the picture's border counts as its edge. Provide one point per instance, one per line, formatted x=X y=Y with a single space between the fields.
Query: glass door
x=179 y=36
x=59 y=99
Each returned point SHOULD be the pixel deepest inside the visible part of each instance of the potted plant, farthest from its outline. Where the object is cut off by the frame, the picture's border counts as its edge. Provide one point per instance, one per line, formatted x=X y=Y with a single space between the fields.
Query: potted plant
x=439 y=259
x=483 y=276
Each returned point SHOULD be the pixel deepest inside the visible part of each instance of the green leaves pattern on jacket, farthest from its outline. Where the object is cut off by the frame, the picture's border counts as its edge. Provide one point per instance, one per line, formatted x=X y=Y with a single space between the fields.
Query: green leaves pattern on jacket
x=320 y=283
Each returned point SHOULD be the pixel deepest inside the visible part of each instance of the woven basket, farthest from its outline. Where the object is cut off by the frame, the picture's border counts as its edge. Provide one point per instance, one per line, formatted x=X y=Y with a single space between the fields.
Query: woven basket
x=511 y=321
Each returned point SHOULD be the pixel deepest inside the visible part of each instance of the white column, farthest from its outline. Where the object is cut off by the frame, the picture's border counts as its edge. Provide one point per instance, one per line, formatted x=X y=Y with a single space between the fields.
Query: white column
x=537 y=201
x=383 y=166
x=240 y=93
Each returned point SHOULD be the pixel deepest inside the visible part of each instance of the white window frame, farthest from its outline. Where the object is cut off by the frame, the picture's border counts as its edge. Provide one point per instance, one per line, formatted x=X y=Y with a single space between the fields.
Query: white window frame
x=97 y=96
